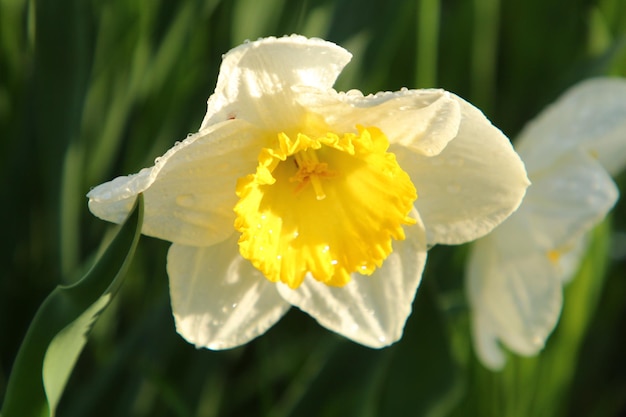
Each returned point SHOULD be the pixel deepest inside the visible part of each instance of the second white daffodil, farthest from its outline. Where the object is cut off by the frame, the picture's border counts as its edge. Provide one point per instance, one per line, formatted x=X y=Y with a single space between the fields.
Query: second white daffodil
x=515 y=275
x=294 y=194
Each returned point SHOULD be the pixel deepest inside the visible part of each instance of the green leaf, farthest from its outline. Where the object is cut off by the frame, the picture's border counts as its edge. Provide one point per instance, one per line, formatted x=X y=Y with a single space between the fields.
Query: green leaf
x=59 y=329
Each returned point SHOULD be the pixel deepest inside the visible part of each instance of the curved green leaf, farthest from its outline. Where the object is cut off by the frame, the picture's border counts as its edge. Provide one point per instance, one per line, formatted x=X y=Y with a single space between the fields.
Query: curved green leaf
x=59 y=329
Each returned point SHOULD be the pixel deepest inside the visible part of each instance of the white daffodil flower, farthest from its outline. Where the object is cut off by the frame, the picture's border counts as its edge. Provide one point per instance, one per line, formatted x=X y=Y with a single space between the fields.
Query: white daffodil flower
x=294 y=194
x=515 y=274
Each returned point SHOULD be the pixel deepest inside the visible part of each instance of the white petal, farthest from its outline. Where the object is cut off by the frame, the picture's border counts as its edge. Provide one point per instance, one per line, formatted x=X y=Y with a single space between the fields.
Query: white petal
x=485 y=340
x=516 y=299
x=515 y=275
x=567 y=200
x=422 y=120
x=219 y=299
x=592 y=115
x=255 y=79
x=190 y=191
x=370 y=310
x=570 y=260
x=471 y=186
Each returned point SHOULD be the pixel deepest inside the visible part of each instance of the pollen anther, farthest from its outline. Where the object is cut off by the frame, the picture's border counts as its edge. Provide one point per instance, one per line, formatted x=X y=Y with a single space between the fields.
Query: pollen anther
x=310 y=170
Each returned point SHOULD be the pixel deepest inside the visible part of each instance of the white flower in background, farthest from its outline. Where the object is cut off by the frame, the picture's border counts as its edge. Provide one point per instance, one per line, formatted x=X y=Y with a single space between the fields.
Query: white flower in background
x=294 y=194
x=515 y=274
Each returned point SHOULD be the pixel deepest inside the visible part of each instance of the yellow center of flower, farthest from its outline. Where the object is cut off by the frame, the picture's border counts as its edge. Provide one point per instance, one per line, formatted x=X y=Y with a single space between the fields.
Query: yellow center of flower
x=327 y=205
x=554 y=255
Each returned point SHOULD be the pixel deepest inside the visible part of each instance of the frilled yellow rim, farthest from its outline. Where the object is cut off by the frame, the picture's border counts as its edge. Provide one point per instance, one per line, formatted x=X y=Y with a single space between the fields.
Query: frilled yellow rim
x=327 y=205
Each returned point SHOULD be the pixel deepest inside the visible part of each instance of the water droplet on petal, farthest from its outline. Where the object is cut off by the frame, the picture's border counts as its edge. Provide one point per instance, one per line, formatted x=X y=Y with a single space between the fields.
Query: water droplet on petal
x=354 y=93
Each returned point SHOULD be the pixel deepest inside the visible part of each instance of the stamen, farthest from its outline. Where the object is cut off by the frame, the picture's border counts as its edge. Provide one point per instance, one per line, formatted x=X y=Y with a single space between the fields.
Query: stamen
x=287 y=237
x=317 y=187
x=310 y=170
x=554 y=255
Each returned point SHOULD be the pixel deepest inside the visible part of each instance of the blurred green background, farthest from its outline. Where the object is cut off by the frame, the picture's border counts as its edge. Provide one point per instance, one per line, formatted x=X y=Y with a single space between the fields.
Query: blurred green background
x=93 y=89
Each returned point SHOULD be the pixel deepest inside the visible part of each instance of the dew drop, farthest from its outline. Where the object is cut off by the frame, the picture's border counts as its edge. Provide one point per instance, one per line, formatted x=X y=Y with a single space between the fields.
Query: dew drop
x=334 y=262
x=214 y=346
x=326 y=249
x=453 y=188
x=382 y=339
x=354 y=93
x=404 y=89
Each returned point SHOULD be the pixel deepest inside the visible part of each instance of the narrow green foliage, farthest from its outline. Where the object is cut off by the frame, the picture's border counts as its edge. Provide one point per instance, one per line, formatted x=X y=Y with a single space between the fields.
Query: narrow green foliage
x=58 y=331
x=90 y=90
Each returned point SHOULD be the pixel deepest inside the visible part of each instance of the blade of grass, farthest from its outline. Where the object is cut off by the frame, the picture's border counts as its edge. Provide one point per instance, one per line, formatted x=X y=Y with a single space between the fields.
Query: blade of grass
x=58 y=331
x=484 y=50
x=428 y=16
